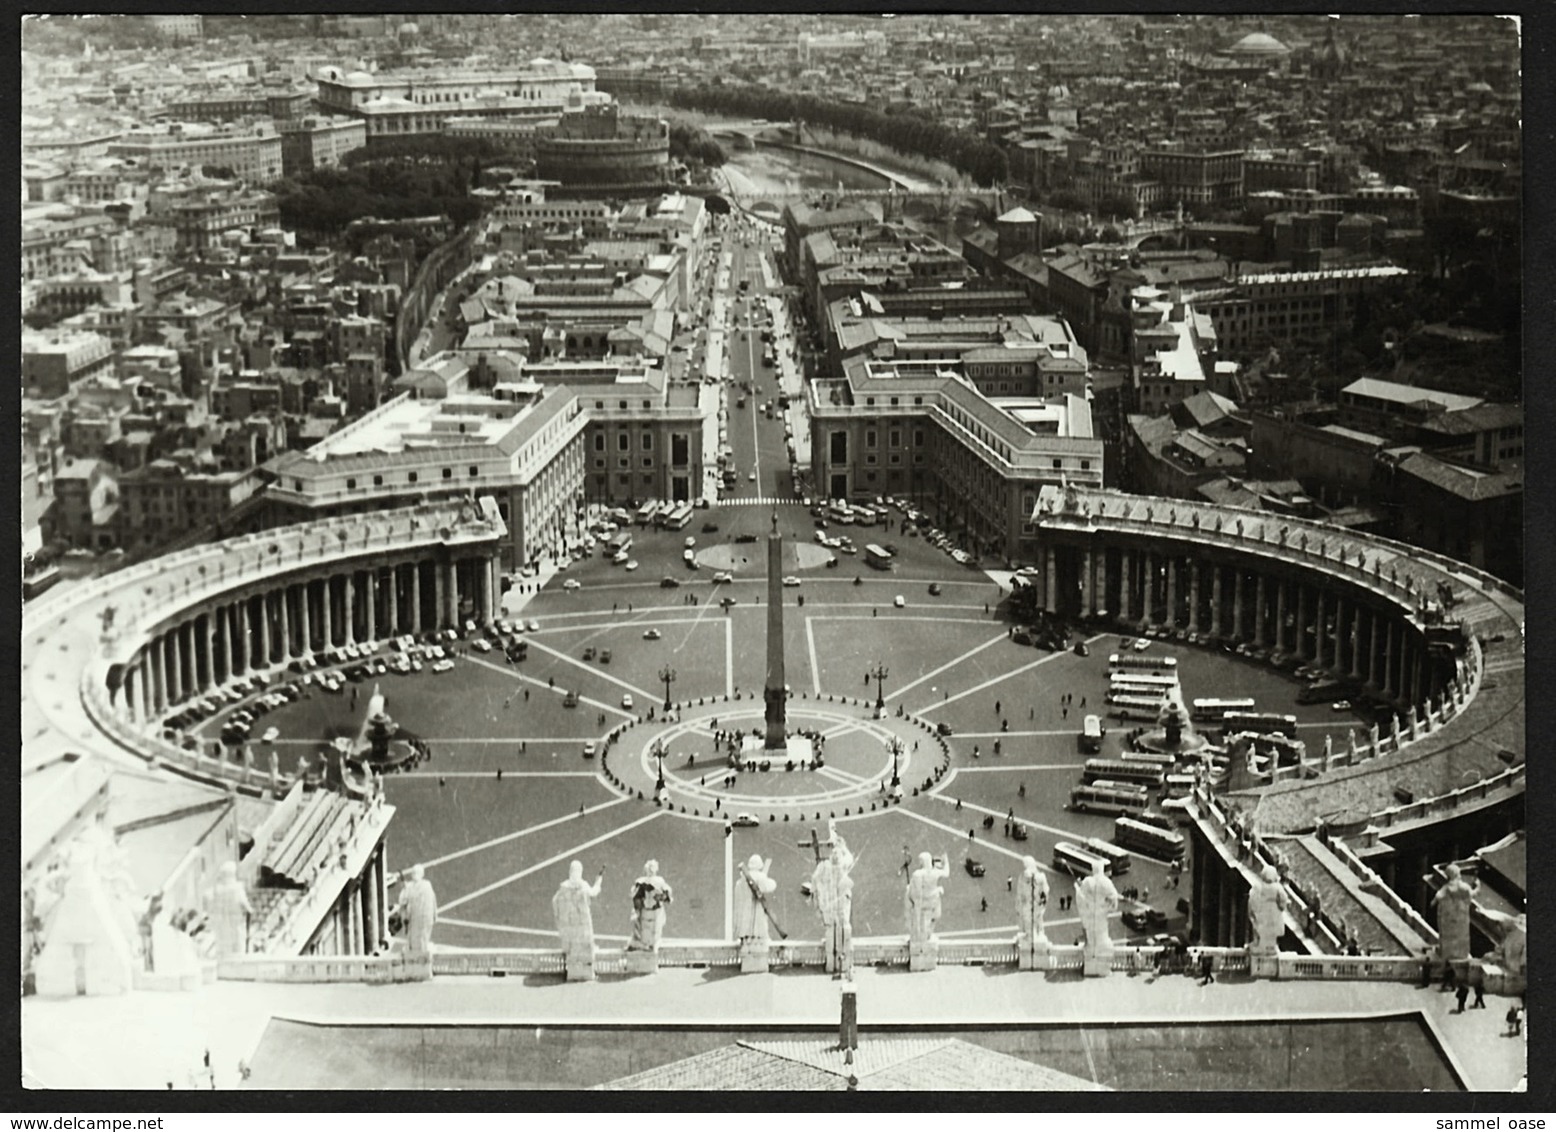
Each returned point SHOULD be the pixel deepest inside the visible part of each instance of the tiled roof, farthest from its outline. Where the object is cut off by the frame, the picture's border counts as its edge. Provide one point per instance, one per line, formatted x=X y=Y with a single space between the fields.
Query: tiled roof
x=1466 y=483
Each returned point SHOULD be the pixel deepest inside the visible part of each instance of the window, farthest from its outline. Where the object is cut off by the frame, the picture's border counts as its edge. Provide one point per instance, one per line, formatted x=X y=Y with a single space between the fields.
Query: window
x=623 y=442
x=474 y=471
x=621 y=404
x=599 y=462
x=1058 y=463
x=448 y=473
x=1085 y=465
x=918 y=436
x=869 y=438
x=599 y=442
x=378 y=481
x=350 y=483
x=648 y=442
x=896 y=437
x=623 y=462
x=648 y=461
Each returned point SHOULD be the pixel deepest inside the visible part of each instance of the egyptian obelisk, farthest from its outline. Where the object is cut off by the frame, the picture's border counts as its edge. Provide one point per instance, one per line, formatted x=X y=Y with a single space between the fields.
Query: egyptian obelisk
x=774 y=692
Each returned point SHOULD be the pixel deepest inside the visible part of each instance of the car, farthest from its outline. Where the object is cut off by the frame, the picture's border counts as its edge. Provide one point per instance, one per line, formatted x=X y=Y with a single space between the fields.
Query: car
x=620 y=557
x=898 y=601
x=709 y=528
x=1142 y=643
x=943 y=728
x=1019 y=831
x=723 y=576
x=752 y=477
x=443 y=666
x=935 y=589
x=271 y=735
x=974 y=867
x=821 y=533
x=691 y=541
x=745 y=820
x=1145 y=919
x=745 y=538
x=726 y=602
x=481 y=644
x=570 y=700
x=848 y=548
x=791 y=580
x=831 y=561
x=632 y=564
x=669 y=583
x=651 y=634
x=1340 y=705
x=626 y=700
x=572 y=584
x=1081 y=649
x=605 y=656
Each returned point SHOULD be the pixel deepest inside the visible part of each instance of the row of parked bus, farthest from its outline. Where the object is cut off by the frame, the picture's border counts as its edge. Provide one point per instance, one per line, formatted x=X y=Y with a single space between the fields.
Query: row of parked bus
x=1152 y=836
x=667 y=516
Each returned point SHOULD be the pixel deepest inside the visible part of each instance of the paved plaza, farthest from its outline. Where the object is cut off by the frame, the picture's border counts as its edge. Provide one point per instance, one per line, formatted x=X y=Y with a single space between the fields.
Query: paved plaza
x=510 y=797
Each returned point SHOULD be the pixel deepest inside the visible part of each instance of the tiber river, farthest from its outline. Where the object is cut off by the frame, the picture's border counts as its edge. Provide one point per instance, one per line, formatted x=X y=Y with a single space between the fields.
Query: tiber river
x=767 y=169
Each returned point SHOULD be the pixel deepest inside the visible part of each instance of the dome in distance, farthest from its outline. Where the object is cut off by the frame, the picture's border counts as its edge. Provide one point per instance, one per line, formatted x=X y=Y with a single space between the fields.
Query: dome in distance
x=1257 y=44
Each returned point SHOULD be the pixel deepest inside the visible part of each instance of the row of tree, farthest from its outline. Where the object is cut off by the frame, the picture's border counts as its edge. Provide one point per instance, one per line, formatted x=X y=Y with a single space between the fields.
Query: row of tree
x=413 y=177
x=911 y=133
x=693 y=144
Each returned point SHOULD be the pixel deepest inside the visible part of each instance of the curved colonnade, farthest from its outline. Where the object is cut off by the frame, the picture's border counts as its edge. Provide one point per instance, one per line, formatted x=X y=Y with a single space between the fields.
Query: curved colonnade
x=1359 y=606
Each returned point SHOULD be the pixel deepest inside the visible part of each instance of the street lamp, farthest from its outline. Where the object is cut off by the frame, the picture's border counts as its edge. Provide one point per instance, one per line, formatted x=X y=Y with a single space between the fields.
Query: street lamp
x=896 y=750
x=667 y=674
x=659 y=753
x=880 y=672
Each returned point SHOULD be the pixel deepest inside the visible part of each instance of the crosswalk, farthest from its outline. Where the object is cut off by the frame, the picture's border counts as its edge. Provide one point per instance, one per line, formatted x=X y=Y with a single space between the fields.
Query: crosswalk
x=761 y=501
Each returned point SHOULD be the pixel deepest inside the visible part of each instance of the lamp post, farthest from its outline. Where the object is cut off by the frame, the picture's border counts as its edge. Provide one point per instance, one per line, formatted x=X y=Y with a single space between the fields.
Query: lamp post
x=880 y=672
x=667 y=674
x=896 y=750
x=659 y=753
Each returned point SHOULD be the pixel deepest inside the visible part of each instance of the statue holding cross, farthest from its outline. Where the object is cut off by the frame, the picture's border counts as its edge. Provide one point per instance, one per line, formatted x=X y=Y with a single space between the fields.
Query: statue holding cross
x=833 y=891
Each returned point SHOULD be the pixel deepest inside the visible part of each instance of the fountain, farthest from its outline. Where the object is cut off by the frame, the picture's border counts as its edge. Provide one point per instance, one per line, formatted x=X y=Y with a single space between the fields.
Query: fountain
x=1174 y=733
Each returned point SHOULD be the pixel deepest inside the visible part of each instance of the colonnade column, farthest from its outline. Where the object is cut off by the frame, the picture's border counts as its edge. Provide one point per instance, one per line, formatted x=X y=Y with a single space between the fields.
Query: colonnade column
x=1194 y=595
x=1304 y=607
x=1051 y=580
x=200 y=629
x=1215 y=599
x=370 y=604
x=1372 y=647
x=287 y=651
x=170 y=667
x=1125 y=581
x=305 y=617
x=1148 y=590
x=1088 y=587
x=392 y=601
x=1172 y=592
x=451 y=591
x=1388 y=684
x=1239 y=632
x=327 y=609
x=349 y=608
x=487 y=591
x=1320 y=633
x=416 y=597
x=1280 y=613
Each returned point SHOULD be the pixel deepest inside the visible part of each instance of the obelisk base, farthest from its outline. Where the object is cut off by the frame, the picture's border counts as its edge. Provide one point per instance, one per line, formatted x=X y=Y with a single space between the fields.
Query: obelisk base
x=755 y=955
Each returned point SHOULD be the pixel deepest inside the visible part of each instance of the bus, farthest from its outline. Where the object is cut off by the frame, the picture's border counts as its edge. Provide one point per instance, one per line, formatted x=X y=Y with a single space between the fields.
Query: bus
x=40 y=581
x=647 y=512
x=1104 y=797
x=678 y=517
x=1177 y=786
x=1071 y=858
x=1152 y=840
x=1126 y=681
x=767 y=357
x=1117 y=859
x=1153 y=703
x=1117 y=770
x=1211 y=710
x=1166 y=762
x=1261 y=723
x=1091 y=734
x=877 y=557
x=1136 y=714
x=1140 y=662
x=620 y=541
x=841 y=512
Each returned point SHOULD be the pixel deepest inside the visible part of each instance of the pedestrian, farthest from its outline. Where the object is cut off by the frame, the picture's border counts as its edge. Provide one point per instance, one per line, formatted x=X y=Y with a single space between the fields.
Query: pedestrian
x=985 y=607
x=983 y=904
x=526 y=695
x=1010 y=884
x=1021 y=791
x=1207 y=968
x=1031 y=713
x=499 y=774
x=958 y=804
x=1083 y=701
x=1145 y=894
x=969 y=835
x=1515 y=1020
x=1066 y=713
x=580 y=809
x=440 y=780
x=874 y=612
x=1007 y=829
x=1478 y=982
x=1461 y=994
x=996 y=707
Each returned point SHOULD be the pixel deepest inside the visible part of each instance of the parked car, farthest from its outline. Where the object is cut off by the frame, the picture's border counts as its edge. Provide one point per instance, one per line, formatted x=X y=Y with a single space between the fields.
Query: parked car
x=570 y=700
x=588 y=653
x=935 y=589
x=669 y=583
x=651 y=634
x=974 y=867
x=572 y=584
x=791 y=580
x=899 y=601
x=626 y=700
x=745 y=820
x=943 y=728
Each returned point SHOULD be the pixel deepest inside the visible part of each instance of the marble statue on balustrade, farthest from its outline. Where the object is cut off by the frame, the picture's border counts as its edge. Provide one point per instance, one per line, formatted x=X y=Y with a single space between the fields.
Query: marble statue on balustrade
x=751 y=894
x=1267 y=912
x=1096 y=899
x=418 y=905
x=832 y=889
x=1452 y=902
x=1031 y=899
x=91 y=934
x=575 y=921
x=230 y=911
x=651 y=895
x=921 y=901
x=1511 y=953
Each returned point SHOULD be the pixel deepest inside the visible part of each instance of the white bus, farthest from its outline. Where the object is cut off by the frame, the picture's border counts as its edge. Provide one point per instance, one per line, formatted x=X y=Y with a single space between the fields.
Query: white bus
x=1177 y=786
x=1071 y=858
x=1143 y=701
x=1134 y=680
x=1166 y=762
x=1212 y=710
x=647 y=512
x=1117 y=859
x=1118 y=770
x=1262 y=723
x=678 y=517
x=877 y=557
x=1140 y=662
x=1103 y=797
x=841 y=512
x=1152 y=840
